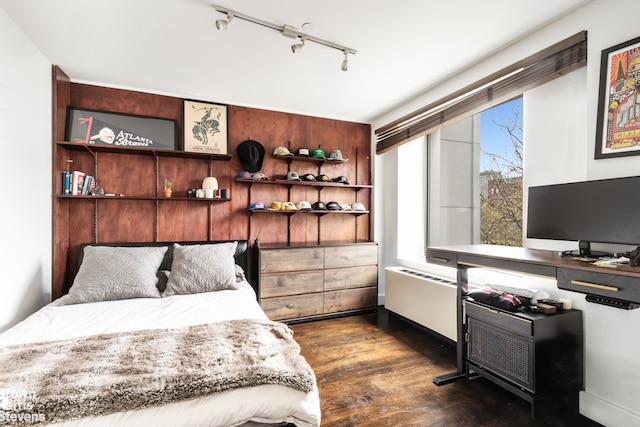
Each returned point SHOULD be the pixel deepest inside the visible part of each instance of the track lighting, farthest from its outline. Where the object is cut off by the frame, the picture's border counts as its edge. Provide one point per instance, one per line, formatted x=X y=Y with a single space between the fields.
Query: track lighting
x=297 y=47
x=285 y=30
x=345 y=62
x=223 y=24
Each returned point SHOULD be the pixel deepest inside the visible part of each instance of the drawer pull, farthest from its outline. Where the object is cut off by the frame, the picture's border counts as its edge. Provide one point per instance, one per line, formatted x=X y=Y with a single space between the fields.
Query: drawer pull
x=595 y=285
x=439 y=259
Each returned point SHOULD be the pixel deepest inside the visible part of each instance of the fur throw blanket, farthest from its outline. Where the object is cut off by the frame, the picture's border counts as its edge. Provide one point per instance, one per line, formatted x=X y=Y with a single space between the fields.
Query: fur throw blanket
x=102 y=374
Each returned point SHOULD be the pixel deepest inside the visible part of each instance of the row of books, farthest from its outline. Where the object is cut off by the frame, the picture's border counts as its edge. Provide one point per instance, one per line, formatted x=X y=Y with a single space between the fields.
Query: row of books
x=77 y=183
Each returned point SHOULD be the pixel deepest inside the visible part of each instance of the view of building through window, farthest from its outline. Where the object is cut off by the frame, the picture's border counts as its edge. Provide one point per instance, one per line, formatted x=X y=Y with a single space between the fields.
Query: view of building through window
x=501 y=174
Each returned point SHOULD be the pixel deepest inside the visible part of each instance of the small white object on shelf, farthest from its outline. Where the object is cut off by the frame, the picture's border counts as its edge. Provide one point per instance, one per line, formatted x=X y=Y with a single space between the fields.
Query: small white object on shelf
x=210 y=182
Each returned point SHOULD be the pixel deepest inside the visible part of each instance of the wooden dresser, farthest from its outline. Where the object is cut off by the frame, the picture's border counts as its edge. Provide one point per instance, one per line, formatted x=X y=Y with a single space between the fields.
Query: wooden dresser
x=300 y=282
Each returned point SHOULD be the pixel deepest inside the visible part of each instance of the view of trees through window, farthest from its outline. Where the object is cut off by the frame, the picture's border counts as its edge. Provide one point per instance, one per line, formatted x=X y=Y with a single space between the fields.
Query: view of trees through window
x=501 y=145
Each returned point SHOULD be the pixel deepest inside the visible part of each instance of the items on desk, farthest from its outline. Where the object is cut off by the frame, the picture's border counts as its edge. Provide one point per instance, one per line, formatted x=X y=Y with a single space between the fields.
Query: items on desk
x=611 y=262
x=634 y=257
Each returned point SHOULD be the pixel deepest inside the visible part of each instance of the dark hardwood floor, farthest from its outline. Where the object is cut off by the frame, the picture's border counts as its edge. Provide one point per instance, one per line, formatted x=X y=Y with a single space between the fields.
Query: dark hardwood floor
x=375 y=370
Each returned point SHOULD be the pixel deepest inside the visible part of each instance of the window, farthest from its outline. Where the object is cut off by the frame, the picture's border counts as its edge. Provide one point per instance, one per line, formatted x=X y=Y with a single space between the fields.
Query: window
x=501 y=173
x=462 y=184
x=456 y=197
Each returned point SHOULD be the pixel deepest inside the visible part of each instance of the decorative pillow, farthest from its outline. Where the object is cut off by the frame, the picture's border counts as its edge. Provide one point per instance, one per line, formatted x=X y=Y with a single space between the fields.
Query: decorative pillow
x=116 y=272
x=202 y=268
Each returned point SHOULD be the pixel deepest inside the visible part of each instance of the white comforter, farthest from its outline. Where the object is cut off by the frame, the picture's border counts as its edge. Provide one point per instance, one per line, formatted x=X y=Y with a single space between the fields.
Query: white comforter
x=263 y=404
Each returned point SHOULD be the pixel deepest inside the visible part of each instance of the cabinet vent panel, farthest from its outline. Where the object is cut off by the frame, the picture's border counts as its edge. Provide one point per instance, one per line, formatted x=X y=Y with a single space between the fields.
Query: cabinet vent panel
x=507 y=354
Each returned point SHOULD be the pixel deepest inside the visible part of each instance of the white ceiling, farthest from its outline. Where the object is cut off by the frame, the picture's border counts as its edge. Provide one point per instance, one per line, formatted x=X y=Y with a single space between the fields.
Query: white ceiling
x=172 y=47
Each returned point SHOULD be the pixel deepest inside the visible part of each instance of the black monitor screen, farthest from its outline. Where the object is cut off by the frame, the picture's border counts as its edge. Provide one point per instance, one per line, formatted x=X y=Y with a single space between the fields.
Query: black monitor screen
x=604 y=211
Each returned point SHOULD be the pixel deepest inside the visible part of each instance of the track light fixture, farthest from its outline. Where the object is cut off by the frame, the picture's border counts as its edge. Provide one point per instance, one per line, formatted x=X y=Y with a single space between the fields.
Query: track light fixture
x=285 y=30
x=297 y=47
x=223 y=24
x=345 y=62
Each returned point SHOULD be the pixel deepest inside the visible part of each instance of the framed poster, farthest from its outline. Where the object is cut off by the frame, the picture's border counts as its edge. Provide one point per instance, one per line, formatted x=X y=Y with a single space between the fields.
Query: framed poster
x=205 y=127
x=120 y=130
x=618 y=123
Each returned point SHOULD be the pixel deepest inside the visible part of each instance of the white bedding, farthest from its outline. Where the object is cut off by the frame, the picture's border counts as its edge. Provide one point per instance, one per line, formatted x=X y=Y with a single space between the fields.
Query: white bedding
x=264 y=404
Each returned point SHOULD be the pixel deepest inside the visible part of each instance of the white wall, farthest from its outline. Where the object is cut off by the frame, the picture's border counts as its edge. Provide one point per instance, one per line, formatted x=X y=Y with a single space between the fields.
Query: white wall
x=560 y=122
x=25 y=190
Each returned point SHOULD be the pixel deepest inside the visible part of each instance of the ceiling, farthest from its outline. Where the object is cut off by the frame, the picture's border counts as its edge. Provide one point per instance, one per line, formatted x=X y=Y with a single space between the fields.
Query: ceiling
x=172 y=47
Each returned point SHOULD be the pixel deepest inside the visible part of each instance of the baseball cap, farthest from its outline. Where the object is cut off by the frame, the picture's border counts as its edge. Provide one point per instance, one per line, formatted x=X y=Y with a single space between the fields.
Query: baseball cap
x=304 y=152
x=293 y=176
x=336 y=155
x=308 y=177
x=323 y=178
x=357 y=206
x=341 y=179
x=276 y=206
x=243 y=175
x=318 y=153
x=282 y=151
x=319 y=206
x=289 y=206
x=346 y=207
x=333 y=206
x=259 y=176
x=304 y=205
x=257 y=206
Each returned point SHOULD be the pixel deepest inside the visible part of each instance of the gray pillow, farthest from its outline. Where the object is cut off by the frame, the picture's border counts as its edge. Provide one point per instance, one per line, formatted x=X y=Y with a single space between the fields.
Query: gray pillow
x=202 y=268
x=116 y=272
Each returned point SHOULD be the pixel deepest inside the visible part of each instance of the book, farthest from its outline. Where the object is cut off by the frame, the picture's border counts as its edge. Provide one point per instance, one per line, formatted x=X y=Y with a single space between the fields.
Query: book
x=88 y=184
x=66 y=183
x=77 y=182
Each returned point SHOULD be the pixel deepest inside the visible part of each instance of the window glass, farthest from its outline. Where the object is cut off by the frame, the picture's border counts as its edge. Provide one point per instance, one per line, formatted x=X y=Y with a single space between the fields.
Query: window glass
x=501 y=174
x=462 y=184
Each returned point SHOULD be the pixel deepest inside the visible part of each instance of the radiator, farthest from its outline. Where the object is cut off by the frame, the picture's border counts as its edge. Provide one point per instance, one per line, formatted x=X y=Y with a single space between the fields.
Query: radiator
x=428 y=300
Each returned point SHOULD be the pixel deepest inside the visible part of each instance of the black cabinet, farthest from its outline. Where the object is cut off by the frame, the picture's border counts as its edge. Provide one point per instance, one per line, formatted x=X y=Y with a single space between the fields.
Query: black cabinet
x=536 y=356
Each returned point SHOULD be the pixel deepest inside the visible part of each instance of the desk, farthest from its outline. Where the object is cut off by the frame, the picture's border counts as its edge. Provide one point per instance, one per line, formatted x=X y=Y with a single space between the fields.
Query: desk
x=617 y=287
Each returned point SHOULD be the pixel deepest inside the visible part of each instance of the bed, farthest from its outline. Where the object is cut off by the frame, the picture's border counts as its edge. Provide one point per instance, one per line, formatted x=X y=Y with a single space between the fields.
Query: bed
x=156 y=334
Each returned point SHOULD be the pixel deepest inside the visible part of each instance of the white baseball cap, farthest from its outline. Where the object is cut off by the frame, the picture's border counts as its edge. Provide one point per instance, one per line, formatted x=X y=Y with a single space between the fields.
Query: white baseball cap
x=304 y=205
x=282 y=151
x=357 y=206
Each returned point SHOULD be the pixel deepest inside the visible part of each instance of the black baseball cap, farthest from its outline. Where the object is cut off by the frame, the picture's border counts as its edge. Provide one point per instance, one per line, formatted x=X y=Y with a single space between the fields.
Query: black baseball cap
x=341 y=179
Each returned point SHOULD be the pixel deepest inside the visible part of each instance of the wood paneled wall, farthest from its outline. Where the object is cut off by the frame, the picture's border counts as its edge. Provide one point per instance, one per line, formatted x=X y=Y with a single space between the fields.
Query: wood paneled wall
x=80 y=221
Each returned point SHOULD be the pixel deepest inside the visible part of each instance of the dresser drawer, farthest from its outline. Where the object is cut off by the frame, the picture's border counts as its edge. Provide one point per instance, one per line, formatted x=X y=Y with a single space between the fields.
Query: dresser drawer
x=350 y=299
x=501 y=319
x=297 y=283
x=601 y=284
x=293 y=259
x=292 y=307
x=351 y=277
x=350 y=256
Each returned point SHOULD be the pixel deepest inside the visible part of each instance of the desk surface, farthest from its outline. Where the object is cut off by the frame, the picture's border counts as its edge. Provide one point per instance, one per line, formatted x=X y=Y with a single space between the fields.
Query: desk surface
x=507 y=257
